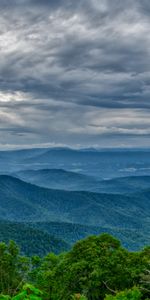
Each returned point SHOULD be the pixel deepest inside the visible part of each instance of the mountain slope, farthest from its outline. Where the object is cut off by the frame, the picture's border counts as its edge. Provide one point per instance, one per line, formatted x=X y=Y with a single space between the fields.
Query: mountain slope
x=20 y=201
x=32 y=241
x=131 y=238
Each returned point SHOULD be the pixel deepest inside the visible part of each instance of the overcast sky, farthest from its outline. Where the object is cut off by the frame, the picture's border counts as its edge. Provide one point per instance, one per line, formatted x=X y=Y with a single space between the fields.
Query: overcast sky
x=74 y=73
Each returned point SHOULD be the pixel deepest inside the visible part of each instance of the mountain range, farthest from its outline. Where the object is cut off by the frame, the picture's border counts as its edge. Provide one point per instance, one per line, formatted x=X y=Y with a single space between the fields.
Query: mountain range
x=54 y=197
x=28 y=203
x=24 y=201
x=101 y=164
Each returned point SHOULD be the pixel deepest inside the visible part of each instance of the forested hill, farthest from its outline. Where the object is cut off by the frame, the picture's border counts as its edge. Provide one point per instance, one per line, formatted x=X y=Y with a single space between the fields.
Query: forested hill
x=39 y=238
x=20 y=201
x=132 y=239
x=83 y=213
x=32 y=241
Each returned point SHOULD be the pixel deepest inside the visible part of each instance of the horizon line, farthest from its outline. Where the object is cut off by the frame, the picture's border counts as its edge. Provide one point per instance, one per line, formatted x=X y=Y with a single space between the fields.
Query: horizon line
x=4 y=148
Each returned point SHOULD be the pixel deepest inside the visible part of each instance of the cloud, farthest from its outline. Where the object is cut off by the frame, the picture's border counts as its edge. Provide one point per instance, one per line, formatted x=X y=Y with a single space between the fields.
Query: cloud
x=64 y=60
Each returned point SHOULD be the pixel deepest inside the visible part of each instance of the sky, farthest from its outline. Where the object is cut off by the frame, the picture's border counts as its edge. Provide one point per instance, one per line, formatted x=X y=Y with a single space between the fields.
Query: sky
x=74 y=73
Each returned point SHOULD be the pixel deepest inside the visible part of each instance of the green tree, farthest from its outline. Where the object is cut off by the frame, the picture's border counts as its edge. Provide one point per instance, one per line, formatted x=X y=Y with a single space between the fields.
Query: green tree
x=43 y=272
x=96 y=266
x=132 y=294
x=13 y=268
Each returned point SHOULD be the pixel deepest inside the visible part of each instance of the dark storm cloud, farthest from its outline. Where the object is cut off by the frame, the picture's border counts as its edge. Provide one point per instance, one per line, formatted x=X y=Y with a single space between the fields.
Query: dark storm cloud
x=69 y=58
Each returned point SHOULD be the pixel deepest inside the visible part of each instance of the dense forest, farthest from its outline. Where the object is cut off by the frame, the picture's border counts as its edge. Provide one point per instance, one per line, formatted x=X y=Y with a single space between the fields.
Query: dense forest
x=95 y=268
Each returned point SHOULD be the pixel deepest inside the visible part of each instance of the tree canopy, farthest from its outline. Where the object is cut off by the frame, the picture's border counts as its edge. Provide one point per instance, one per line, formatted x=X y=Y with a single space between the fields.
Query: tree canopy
x=96 y=268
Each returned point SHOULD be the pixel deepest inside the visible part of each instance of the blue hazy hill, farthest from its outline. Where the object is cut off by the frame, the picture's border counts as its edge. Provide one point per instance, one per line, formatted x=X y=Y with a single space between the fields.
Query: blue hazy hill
x=59 y=179
x=67 y=180
x=104 y=164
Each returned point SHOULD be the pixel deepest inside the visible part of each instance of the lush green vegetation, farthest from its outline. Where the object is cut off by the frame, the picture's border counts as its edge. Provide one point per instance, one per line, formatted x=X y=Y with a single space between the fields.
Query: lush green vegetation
x=96 y=268
x=31 y=241
x=71 y=233
x=39 y=238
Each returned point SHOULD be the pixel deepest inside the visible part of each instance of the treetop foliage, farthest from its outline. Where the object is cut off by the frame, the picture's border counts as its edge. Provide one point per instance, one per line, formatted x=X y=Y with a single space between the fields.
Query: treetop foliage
x=96 y=268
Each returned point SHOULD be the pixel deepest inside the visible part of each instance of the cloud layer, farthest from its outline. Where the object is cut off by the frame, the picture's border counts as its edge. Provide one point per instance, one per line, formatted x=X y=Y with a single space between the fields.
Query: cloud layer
x=75 y=72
